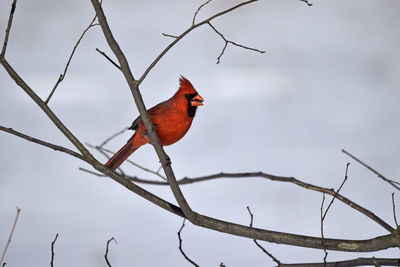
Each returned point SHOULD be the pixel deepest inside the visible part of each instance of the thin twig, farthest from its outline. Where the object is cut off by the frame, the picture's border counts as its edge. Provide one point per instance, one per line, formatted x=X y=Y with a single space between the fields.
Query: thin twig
x=180 y=245
x=337 y=191
x=306 y=1
x=179 y=37
x=230 y=42
x=10 y=20
x=395 y=184
x=197 y=11
x=109 y=59
x=62 y=76
x=170 y=35
x=113 y=136
x=323 y=214
x=258 y=245
x=322 y=228
x=394 y=211
x=10 y=237
x=52 y=251
x=102 y=149
x=107 y=247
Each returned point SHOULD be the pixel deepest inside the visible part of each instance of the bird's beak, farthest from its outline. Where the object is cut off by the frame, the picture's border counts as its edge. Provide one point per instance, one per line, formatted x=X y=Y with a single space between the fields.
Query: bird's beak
x=197 y=101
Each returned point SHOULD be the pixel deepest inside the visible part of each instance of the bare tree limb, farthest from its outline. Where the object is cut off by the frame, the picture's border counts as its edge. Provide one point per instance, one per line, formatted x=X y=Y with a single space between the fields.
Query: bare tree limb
x=393 y=183
x=231 y=42
x=134 y=87
x=258 y=245
x=8 y=29
x=107 y=247
x=62 y=76
x=52 y=250
x=180 y=246
x=9 y=237
x=242 y=175
x=349 y=263
x=43 y=143
x=53 y=117
x=394 y=211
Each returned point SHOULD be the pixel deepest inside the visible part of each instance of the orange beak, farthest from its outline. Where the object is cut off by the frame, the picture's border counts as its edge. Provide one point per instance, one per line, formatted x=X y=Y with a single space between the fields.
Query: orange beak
x=197 y=101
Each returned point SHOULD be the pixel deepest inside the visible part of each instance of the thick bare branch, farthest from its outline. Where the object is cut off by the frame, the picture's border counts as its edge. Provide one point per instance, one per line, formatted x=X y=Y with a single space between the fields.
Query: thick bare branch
x=243 y=175
x=374 y=244
x=9 y=238
x=134 y=87
x=393 y=183
x=180 y=245
x=349 y=263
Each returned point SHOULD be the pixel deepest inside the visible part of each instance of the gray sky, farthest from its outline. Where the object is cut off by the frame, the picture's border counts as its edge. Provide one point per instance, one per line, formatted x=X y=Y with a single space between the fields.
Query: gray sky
x=329 y=80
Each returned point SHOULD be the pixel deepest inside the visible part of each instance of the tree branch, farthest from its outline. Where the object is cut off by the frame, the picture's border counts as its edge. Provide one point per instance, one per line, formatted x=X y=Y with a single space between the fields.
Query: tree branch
x=62 y=76
x=242 y=175
x=107 y=247
x=349 y=263
x=180 y=246
x=9 y=238
x=10 y=20
x=52 y=250
x=230 y=42
x=258 y=245
x=198 y=10
x=394 y=211
x=134 y=87
x=43 y=143
x=109 y=59
x=179 y=37
x=393 y=183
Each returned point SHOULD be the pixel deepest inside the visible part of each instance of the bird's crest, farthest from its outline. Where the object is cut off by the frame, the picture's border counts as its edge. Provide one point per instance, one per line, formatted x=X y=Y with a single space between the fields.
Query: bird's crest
x=185 y=85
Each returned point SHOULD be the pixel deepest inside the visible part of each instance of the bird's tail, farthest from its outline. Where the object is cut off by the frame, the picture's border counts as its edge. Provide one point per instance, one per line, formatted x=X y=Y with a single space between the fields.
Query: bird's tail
x=122 y=154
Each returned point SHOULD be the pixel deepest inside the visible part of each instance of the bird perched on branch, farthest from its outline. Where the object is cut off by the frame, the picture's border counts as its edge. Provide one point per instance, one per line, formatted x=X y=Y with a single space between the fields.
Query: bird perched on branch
x=172 y=119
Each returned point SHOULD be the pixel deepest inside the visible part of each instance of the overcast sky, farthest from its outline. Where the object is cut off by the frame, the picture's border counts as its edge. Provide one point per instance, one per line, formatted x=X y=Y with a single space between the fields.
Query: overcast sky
x=329 y=80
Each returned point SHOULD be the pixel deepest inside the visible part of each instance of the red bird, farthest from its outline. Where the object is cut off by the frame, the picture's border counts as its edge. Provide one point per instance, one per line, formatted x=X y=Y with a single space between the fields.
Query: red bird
x=172 y=118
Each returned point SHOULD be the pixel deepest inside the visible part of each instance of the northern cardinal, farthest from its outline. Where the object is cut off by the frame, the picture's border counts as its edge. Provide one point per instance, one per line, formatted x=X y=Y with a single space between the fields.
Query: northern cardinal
x=172 y=119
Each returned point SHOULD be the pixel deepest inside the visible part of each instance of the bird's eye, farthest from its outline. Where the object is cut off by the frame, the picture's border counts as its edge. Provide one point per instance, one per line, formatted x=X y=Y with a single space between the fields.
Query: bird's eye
x=190 y=96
